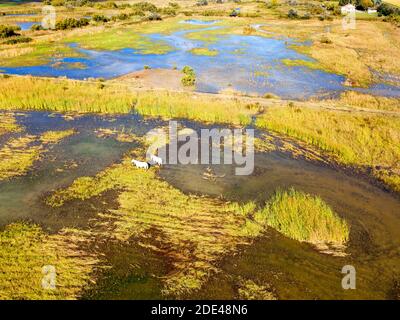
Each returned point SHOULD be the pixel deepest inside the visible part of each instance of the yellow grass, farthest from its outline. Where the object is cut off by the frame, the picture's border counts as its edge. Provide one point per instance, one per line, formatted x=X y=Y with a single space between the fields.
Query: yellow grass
x=365 y=101
x=18 y=155
x=29 y=93
x=395 y=2
x=364 y=141
x=26 y=250
x=8 y=123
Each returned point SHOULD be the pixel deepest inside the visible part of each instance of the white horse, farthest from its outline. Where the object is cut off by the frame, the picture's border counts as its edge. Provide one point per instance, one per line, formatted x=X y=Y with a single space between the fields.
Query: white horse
x=156 y=160
x=140 y=164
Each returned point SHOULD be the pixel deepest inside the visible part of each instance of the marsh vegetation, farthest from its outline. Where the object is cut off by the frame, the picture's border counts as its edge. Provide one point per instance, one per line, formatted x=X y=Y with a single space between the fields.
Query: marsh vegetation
x=326 y=182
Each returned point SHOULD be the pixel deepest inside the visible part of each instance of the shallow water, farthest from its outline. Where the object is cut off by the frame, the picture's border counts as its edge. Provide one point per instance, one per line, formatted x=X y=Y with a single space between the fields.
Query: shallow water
x=199 y=22
x=294 y=270
x=79 y=155
x=250 y=64
x=298 y=270
x=25 y=25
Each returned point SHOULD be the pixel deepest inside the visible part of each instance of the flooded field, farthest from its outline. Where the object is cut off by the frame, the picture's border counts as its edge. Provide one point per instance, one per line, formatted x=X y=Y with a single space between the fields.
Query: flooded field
x=250 y=64
x=287 y=268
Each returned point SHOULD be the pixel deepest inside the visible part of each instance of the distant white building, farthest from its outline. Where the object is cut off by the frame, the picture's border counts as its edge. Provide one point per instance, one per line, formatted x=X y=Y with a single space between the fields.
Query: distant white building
x=372 y=10
x=348 y=8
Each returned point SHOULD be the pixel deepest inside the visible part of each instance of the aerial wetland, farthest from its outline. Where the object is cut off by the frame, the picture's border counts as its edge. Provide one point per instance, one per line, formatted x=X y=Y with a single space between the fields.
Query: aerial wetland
x=77 y=105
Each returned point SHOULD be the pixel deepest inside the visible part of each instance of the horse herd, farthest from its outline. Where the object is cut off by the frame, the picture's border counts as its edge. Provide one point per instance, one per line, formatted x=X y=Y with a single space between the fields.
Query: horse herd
x=154 y=160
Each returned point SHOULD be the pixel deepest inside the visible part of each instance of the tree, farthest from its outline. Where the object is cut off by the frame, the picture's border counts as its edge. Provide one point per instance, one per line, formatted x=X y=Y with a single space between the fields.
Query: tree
x=364 y=4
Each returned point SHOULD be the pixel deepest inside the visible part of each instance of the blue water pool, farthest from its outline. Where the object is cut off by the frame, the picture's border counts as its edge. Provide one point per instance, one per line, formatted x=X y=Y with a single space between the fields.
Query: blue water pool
x=250 y=64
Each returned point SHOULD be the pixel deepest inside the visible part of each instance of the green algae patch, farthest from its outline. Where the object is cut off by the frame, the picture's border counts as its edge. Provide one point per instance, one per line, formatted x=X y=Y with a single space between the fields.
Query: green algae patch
x=303 y=217
x=204 y=52
x=38 y=53
x=120 y=39
x=28 y=255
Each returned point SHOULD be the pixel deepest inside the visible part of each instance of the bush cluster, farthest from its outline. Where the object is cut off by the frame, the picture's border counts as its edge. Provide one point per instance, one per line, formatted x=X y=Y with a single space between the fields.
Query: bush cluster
x=71 y=23
x=8 y=31
x=189 y=78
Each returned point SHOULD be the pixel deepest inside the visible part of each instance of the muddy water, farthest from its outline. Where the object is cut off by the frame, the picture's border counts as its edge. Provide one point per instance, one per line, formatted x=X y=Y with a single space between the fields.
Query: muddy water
x=293 y=269
x=79 y=155
x=297 y=270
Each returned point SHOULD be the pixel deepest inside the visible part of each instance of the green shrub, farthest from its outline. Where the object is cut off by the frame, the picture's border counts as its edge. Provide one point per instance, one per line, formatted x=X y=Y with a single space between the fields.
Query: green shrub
x=71 y=23
x=18 y=40
x=36 y=27
x=189 y=78
x=8 y=31
x=174 y=5
x=387 y=9
x=145 y=6
x=169 y=11
x=292 y=14
x=100 y=18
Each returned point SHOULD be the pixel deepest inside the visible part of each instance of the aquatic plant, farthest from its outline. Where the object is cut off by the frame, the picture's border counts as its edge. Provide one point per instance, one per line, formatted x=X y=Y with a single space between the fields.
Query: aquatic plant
x=8 y=123
x=30 y=93
x=55 y=136
x=303 y=217
x=18 y=155
x=204 y=52
x=369 y=142
x=249 y=290
x=26 y=250
x=296 y=62
x=197 y=231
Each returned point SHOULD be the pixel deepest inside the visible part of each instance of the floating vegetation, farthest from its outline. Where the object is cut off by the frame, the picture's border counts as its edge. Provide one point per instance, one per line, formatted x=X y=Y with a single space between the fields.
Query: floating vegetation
x=301 y=63
x=204 y=52
x=18 y=155
x=118 y=135
x=8 y=123
x=28 y=254
x=56 y=136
